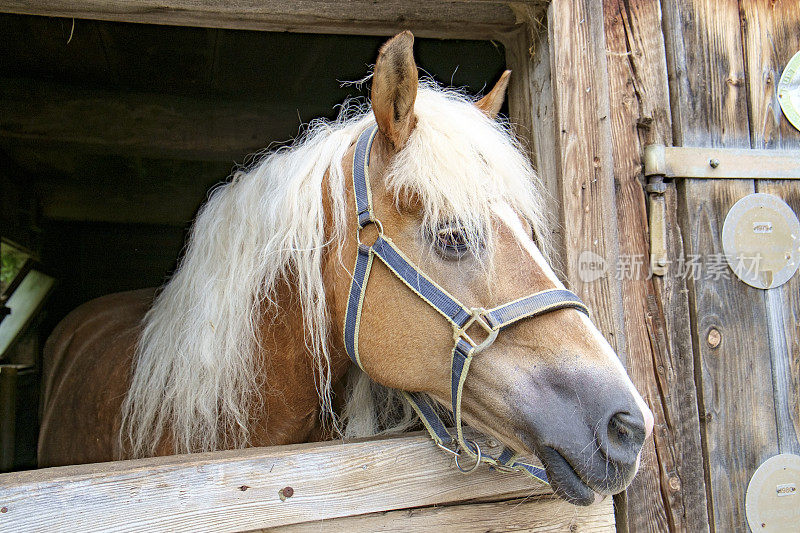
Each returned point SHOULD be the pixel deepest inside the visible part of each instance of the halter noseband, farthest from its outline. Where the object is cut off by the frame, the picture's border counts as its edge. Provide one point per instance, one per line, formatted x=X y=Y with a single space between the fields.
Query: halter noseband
x=492 y=321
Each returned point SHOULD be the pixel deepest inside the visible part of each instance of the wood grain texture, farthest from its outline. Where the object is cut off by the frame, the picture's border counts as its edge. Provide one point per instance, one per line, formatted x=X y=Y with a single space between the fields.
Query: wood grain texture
x=704 y=51
x=668 y=493
x=239 y=490
x=477 y=19
x=532 y=113
x=771 y=37
x=585 y=166
x=535 y=514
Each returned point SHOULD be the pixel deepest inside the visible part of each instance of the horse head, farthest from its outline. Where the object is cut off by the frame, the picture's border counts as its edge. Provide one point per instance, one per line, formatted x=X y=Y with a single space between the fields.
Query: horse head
x=454 y=192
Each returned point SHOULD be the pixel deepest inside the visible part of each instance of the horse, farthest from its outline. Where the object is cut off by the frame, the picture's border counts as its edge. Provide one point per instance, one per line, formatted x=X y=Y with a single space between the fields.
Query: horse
x=245 y=344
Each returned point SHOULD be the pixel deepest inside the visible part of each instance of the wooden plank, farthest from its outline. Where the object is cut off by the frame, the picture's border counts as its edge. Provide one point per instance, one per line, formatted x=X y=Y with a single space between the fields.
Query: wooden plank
x=532 y=112
x=239 y=490
x=530 y=514
x=585 y=166
x=668 y=493
x=543 y=122
x=471 y=19
x=720 y=163
x=771 y=38
x=704 y=57
x=152 y=125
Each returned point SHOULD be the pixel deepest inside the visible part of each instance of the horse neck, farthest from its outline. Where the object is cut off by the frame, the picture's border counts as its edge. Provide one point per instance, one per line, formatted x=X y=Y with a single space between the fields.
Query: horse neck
x=291 y=408
x=290 y=411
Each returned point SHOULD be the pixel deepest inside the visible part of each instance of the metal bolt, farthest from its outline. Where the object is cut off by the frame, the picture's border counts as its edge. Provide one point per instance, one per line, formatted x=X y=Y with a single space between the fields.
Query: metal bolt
x=714 y=337
x=714 y=162
x=286 y=492
x=662 y=262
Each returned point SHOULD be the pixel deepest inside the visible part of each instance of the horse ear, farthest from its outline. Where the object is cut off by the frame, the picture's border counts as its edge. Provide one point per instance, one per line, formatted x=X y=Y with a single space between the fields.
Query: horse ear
x=492 y=102
x=394 y=89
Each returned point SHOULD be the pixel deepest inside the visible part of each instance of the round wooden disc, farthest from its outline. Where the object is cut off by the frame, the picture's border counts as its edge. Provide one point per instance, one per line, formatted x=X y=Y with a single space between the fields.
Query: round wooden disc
x=772 y=503
x=789 y=91
x=761 y=240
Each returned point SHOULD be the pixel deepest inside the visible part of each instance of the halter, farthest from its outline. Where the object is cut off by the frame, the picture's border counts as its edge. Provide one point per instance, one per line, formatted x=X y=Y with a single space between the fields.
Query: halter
x=462 y=318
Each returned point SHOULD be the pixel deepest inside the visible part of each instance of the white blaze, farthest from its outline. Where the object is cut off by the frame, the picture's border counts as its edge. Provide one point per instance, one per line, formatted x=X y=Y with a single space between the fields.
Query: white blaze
x=513 y=221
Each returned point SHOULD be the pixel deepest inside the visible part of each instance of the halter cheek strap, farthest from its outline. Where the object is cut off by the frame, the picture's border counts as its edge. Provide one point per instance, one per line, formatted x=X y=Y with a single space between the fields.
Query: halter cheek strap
x=460 y=317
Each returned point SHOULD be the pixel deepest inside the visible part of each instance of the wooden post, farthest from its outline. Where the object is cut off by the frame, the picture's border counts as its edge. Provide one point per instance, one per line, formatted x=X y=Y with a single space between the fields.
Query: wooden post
x=584 y=158
x=532 y=111
x=668 y=494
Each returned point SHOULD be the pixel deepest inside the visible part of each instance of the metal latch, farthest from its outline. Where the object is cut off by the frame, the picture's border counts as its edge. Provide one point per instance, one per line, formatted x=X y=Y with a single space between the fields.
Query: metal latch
x=675 y=162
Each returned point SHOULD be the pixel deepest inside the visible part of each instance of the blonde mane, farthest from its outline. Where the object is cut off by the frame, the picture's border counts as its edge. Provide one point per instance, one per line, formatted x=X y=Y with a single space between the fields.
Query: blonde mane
x=194 y=365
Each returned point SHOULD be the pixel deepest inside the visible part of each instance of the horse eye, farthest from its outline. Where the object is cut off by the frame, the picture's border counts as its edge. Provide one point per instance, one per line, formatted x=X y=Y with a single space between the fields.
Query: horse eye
x=452 y=241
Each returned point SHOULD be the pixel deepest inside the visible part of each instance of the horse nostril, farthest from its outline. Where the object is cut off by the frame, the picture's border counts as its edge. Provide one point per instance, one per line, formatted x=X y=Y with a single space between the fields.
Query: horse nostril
x=623 y=437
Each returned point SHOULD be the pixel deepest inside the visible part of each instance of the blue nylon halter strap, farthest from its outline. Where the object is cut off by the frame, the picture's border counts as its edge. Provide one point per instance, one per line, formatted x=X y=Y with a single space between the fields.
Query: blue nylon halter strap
x=459 y=316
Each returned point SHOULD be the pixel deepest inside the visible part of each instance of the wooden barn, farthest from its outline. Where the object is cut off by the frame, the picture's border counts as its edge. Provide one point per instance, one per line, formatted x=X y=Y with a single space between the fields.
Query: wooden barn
x=647 y=120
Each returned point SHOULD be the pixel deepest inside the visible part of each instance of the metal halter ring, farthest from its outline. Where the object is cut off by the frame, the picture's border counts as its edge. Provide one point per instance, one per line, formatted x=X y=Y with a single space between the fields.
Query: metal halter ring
x=378 y=226
x=477 y=459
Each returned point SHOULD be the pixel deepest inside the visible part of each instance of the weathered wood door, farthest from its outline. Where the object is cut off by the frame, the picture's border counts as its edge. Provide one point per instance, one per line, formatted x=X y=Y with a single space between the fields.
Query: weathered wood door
x=717 y=360
x=724 y=60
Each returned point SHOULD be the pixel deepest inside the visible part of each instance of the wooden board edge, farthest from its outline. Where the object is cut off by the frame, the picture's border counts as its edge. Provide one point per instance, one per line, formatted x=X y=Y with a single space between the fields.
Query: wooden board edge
x=527 y=514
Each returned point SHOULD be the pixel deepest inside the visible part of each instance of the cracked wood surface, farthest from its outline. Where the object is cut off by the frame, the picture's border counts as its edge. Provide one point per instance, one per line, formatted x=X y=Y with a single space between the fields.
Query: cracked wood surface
x=771 y=34
x=668 y=493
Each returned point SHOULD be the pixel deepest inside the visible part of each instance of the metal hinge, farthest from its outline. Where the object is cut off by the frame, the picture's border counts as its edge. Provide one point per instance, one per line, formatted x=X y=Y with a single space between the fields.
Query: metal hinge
x=676 y=162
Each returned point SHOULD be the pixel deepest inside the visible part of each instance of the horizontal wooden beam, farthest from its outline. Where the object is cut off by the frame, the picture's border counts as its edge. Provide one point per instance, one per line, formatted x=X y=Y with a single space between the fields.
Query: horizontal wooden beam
x=529 y=514
x=152 y=125
x=241 y=490
x=716 y=163
x=464 y=19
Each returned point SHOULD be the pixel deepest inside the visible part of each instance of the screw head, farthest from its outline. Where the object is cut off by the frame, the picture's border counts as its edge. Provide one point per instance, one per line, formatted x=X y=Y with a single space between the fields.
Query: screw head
x=714 y=162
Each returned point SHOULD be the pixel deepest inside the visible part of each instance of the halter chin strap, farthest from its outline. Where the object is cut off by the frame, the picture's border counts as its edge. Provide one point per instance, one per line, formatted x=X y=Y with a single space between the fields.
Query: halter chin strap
x=460 y=317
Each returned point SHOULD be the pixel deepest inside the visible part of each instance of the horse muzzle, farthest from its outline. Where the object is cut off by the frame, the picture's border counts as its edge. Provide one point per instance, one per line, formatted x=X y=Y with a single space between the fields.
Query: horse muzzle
x=589 y=437
x=586 y=424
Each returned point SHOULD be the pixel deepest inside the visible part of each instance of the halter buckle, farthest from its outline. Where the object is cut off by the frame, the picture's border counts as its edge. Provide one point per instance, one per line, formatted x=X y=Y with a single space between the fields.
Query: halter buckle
x=476 y=317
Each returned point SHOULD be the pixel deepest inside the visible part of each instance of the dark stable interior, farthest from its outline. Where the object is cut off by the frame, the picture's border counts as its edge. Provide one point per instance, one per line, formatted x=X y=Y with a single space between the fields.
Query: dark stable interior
x=112 y=135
